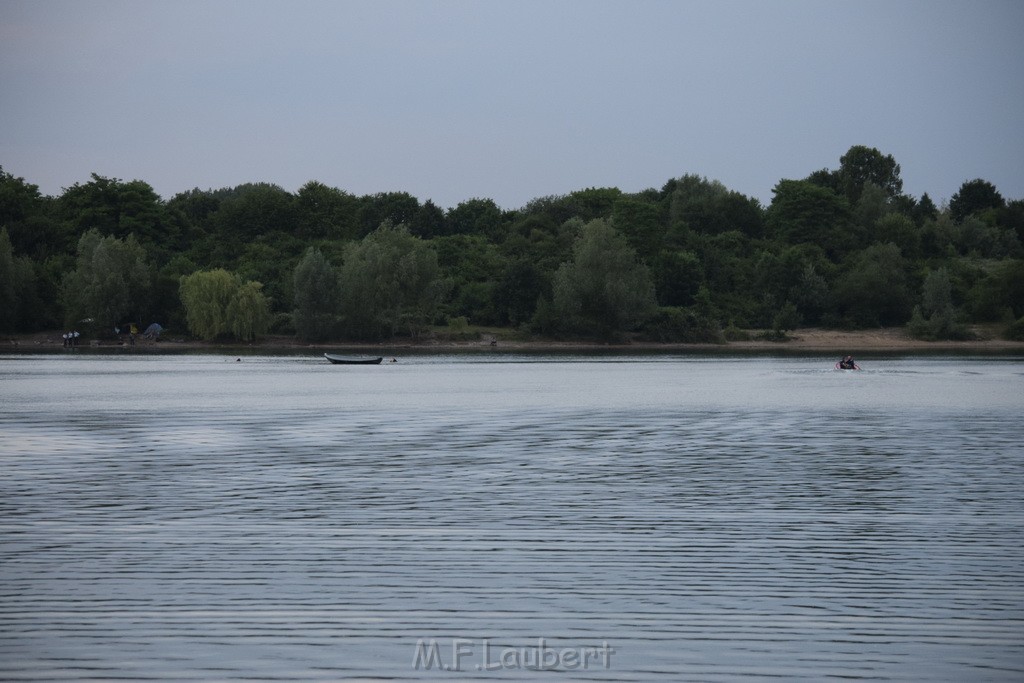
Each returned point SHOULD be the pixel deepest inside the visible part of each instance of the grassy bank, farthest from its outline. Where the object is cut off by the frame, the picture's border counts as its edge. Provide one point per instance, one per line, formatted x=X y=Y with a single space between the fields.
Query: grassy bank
x=808 y=339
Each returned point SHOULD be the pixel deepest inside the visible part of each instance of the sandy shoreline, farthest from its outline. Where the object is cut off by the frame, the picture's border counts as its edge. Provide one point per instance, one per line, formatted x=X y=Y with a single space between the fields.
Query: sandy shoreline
x=839 y=342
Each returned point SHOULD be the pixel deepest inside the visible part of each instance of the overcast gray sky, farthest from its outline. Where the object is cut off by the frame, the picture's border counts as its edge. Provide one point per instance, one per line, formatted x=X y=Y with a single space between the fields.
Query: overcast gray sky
x=508 y=99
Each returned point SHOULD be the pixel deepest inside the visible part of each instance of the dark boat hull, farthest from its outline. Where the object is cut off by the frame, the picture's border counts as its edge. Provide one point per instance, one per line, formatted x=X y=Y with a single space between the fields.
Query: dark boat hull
x=343 y=360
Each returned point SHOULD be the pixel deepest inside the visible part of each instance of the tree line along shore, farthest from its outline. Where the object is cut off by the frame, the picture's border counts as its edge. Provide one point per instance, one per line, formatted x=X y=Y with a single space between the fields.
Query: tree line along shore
x=841 y=251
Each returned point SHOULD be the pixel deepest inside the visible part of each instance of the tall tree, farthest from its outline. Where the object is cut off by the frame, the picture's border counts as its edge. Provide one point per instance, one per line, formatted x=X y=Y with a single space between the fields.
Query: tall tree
x=18 y=199
x=111 y=281
x=118 y=208
x=325 y=212
x=804 y=213
x=604 y=290
x=974 y=196
x=316 y=297
x=678 y=276
x=389 y=281
x=429 y=221
x=19 y=301
x=862 y=165
x=874 y=290
x=253 y=210
x=396 y=208
x=641 y=223
x=516 y=292
x=475 y=217
x=936 y=317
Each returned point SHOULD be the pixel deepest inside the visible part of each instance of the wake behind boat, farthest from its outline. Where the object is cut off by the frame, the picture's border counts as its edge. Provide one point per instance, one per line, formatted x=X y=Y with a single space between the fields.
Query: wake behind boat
x=345 y=360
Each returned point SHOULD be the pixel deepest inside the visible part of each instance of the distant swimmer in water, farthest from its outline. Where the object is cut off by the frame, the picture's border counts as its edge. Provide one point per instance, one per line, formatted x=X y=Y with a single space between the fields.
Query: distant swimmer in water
x=847 y=363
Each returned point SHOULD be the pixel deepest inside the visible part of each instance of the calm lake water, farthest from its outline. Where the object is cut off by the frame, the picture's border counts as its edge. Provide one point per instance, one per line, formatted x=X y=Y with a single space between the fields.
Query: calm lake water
x=633 y=518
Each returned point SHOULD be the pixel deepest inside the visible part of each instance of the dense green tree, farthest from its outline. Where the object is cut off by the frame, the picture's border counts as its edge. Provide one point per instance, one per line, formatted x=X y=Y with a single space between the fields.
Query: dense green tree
x=811 y=296
x=787 y=276
x=728 y=263
x=686 y=198
x=253 y=210
x=899 y=229
x=973 y=197
x=979 y=238
x=390 y=280
x=472 y=265
x=593 y=202
x=861 y=165
x=826 y=178
x=938 y=237
x=166 y=301
x=271 y=259
x=18 y=199
x=32 y=230
x=539 y=239
x=396 y=208
x=468 y=258
x=641 y=223
x=936 y=317
x=111 y=281
x=804 y=213
x=41 y=236
x=603 y=289
x=553 y=209
x=999 y=291
x=1012 y=218
x=474 y=301
x=872 y=206
x=475 y=217
x=196 y=205
x=517 y=290
x=19 y=300
x=323 y=212
x=716 y=212
x=317 y=301
x=874 y=289
x=924 y=210
x=678 y=276
x=118 y=208
x=429 y=221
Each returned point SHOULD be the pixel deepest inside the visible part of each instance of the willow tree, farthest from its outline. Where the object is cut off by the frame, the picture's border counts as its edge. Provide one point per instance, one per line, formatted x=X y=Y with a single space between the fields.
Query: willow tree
x=604 y=290
x=249 y=312
x=217 y=303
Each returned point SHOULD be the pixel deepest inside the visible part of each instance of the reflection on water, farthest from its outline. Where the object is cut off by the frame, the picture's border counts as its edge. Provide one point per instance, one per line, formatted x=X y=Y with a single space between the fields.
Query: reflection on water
x=706 y=519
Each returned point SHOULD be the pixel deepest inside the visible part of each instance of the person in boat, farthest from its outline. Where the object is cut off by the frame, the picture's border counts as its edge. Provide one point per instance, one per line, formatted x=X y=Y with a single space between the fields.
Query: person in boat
x=847 y=363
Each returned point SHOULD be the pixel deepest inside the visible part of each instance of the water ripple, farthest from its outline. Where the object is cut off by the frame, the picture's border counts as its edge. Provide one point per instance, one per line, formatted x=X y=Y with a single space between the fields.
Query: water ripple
x=297 y=523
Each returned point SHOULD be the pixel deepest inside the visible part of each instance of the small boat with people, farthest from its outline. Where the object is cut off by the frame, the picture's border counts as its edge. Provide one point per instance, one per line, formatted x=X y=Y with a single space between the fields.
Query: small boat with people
x=847 y=363
x=345 y=360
